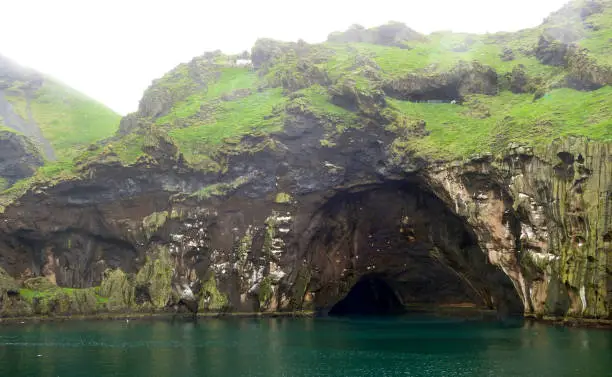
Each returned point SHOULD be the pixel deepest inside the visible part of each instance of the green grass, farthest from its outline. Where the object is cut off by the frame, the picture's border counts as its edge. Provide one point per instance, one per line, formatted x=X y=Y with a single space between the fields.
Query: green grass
x=455 y=133
x=30 y=294
x=599 y=42
x=316 y=101
x=68 y=119
x=68 y=296
x=232 y=119
x=231 y=79
x=436 y=54
x=59 y=170
x=71 y=121
x=128 y=149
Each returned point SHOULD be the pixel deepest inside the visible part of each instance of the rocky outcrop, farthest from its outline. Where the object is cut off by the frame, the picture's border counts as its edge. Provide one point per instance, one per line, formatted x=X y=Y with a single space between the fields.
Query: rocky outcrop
x=519 y=82
x=19 y=158
x=392 y=34
x=463 y=79
x=176 y=85
x=552 y=234
x=585 y=73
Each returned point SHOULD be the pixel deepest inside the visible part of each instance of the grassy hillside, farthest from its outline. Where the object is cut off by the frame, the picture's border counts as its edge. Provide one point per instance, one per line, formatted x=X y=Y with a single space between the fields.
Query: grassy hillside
x=69 y=120
x=44 y=118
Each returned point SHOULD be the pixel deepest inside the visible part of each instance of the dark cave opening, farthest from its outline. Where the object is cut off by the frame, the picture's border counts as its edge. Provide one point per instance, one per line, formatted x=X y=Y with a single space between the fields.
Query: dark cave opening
x=371 y=295
x=409 y=253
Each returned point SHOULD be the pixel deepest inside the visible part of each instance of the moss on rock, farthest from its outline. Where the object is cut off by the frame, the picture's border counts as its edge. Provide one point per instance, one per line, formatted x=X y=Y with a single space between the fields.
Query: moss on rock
x=265 y=292
x=221 y=189
x=156 y=277
x=212 y=299
x=244 y=246
x=7 y=283
x=117 y=288
x=299 y=288
x=282 y=198
x=153 y=222
x=11 y=304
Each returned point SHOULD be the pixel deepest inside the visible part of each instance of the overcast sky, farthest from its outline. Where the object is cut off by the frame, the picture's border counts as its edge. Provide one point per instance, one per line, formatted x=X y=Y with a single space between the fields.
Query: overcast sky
x=112 y=49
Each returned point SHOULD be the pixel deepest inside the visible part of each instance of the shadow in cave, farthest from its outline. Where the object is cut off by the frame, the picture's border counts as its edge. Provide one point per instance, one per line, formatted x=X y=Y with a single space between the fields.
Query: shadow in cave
x=425 y=257
x=370 y=296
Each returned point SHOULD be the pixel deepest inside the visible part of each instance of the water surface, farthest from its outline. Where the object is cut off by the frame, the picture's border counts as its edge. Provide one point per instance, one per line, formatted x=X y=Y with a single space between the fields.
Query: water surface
x=303 y=347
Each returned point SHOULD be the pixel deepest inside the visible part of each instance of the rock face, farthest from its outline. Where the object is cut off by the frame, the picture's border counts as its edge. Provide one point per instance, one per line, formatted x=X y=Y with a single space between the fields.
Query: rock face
x=545 y=220
x=19 y=158
x=456 y=84
x=296 y=226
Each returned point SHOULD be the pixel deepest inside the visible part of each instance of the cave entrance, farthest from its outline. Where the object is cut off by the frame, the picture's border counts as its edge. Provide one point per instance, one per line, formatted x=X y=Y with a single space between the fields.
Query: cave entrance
x=385 y=249
x=371 y=295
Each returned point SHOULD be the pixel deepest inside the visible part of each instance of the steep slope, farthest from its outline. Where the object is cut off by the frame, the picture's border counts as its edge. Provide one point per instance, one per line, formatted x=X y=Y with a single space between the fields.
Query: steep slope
x=448 y=168
x=61 y=121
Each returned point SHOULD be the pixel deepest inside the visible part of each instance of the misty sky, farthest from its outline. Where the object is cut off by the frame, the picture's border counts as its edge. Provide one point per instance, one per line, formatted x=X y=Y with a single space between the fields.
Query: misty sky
x=112 y=49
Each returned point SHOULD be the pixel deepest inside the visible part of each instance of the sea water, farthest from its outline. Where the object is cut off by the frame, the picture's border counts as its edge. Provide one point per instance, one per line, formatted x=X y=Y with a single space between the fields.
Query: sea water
x=303 y=347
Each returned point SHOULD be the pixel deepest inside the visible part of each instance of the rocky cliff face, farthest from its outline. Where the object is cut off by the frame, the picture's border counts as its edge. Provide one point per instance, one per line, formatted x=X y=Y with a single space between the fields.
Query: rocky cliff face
x=297 y=225
x=19 y=158
x=336 y=178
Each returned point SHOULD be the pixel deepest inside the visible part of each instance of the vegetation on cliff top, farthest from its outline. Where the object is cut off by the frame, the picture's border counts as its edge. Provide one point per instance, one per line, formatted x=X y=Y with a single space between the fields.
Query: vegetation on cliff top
x=473 y=93
x=492 y=122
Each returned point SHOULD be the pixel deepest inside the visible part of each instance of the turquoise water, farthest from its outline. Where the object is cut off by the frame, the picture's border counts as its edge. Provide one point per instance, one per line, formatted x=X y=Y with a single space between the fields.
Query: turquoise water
x=302 y=347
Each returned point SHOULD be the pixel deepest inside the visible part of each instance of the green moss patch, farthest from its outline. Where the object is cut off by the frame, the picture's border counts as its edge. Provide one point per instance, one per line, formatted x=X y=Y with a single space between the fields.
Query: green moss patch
x=265 y=292
x=156 y=277
x=212 y=299
x=117 y=289
x=46 y=298
x=220 y=189
x=231 y=80
x=282 y=198
x=258 y=112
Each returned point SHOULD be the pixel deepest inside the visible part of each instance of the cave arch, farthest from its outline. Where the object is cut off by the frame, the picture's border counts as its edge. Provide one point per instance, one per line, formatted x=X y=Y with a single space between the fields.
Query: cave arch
x=403 y=235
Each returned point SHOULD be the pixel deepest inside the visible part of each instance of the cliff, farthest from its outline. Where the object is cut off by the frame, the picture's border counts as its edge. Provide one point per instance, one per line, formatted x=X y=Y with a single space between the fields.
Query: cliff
x=443 y=169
